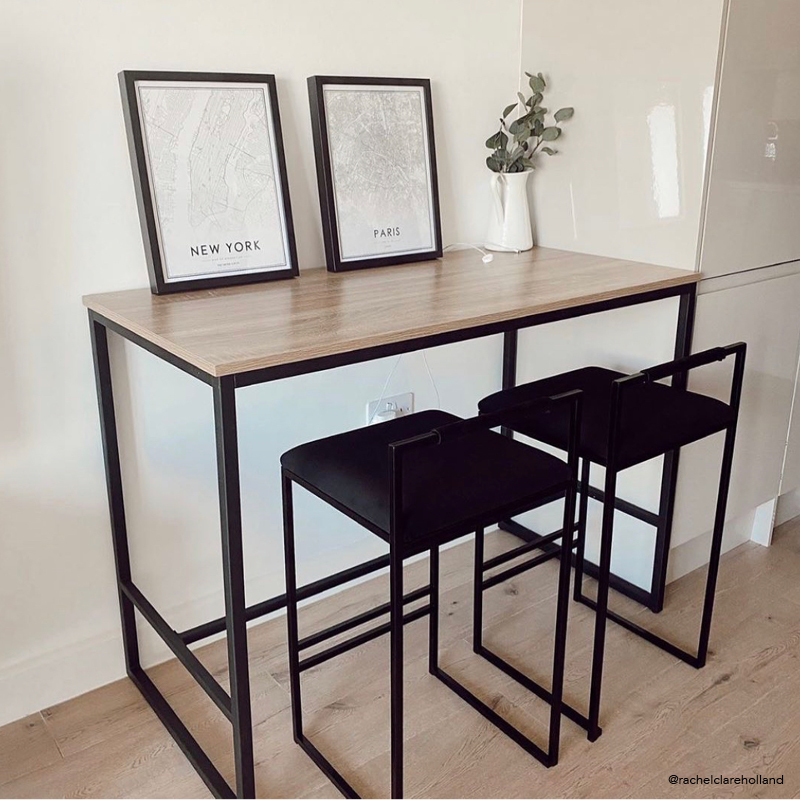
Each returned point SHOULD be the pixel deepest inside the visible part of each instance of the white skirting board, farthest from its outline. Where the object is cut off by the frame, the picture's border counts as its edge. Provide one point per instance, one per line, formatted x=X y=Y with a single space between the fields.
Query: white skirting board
x=788 y=507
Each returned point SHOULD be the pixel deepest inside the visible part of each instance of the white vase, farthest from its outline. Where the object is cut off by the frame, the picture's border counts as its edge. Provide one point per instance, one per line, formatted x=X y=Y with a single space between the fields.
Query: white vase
x=510 y=217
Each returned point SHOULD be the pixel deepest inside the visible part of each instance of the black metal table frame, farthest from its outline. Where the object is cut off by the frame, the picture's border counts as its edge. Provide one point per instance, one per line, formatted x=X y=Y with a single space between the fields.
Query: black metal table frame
x=235 y=705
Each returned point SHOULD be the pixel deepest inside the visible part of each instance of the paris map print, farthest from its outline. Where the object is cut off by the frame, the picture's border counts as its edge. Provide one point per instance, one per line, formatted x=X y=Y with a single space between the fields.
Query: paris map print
x=378 y=146
x=212 y=167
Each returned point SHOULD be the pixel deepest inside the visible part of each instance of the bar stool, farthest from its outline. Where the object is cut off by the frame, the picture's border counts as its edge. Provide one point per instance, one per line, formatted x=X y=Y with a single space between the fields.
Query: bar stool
x=628 y=419
x=418 y=482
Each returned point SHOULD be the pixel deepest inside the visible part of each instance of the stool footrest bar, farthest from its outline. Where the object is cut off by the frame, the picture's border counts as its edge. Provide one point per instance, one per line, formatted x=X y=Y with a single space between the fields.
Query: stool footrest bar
x=177 y=645
x=361 y=638
x=510 y=555
x=620 y=584
x=518 y=569
x=625 y=506
x=359 y=619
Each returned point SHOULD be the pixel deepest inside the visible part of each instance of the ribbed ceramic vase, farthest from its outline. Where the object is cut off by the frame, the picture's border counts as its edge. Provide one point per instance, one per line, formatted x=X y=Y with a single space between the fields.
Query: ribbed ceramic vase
x=510 y=217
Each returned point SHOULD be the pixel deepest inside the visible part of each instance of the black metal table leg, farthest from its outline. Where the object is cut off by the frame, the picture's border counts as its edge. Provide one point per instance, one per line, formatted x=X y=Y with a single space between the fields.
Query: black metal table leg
x=125 y=586
x=116 y=504
x=233 y=578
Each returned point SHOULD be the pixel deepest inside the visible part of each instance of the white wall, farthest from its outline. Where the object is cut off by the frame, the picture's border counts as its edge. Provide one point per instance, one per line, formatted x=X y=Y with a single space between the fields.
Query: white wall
x=68 y=226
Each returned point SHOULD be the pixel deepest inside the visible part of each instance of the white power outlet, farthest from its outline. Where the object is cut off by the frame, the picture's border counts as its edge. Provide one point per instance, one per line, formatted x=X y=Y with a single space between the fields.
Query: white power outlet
x=403 y=403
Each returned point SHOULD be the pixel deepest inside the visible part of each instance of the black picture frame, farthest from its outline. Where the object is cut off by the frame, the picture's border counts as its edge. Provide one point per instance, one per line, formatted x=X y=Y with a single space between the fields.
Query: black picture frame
x=160 y=282
x=326 y=178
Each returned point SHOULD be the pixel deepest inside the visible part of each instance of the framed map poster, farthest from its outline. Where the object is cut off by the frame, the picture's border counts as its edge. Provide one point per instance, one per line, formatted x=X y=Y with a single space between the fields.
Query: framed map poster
x=210 y=176
x=376 y=170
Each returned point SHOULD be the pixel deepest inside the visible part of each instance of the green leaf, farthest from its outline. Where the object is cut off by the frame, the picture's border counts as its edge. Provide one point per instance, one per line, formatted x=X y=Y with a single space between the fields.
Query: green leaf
x=508 y=109
x=521 y=98
x=527 y=163
x=517 y=125
x=499 y=140
x=549 y=151
x=493 y=164
x=551 y=134
x=538 y=126
x=564 y=114
x=537 y=83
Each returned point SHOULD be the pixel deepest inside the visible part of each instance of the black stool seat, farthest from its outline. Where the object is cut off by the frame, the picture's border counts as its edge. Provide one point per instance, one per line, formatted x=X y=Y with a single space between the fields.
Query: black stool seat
x=457 y=485
x=654 y=420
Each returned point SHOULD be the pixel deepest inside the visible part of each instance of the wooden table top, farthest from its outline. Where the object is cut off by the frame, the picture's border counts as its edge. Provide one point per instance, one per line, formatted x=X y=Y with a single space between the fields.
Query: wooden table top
x=242 y=328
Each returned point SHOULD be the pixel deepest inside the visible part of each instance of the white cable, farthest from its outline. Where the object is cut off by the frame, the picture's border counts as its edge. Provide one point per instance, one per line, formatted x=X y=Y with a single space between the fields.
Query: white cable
x=383 y=391
x=433 y=382
x=487 y=257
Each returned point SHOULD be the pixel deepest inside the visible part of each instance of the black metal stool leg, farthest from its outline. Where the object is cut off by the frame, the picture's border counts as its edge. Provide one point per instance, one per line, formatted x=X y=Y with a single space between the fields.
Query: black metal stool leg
x=583 y=514
x=396 y=672
x=291 y=610
x=294 y=646
x=601 y=606
x=433 y=618
x=477 y=593
x=716 y=547
x=560 y=638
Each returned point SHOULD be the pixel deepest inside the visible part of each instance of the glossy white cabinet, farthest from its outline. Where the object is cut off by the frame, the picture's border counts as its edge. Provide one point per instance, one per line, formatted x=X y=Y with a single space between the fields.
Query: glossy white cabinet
x=628 y=180
x=753 y=204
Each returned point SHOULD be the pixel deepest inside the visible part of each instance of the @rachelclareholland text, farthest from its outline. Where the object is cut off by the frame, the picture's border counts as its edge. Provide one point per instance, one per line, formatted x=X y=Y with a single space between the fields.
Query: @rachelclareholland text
x=759 y=780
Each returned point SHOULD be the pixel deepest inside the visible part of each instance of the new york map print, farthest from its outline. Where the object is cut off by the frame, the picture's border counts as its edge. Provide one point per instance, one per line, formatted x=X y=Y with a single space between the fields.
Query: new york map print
x=379 y=155
x=212 y=169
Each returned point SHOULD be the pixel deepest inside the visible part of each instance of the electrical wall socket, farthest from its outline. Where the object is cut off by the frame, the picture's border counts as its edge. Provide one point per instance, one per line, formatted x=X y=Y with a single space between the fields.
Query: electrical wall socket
x=404 y=403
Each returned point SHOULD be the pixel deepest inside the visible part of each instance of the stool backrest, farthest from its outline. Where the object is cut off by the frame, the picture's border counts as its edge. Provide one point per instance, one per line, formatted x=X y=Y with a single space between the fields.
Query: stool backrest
x=679 y=366
x=398 y=451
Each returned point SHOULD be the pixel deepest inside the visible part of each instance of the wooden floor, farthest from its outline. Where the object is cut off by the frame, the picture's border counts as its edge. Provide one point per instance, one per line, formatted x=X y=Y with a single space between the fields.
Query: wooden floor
x=738 y=716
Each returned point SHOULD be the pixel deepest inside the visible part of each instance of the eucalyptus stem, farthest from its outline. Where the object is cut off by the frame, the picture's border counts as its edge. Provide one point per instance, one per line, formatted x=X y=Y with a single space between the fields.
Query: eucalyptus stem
x=515 y=145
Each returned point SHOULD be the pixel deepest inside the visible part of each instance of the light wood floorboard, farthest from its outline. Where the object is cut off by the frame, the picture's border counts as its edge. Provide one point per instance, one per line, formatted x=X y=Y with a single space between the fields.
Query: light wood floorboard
x=738 y=716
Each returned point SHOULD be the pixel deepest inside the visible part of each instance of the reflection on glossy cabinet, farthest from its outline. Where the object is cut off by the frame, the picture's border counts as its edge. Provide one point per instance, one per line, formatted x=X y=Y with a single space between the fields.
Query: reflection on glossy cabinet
x=753 y=195
x=628 y=180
